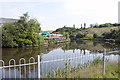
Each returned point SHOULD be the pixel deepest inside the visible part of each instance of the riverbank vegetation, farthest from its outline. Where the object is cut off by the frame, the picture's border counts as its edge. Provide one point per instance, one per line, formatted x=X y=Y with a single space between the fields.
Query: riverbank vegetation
x=71 y=31
x=113 y=36
x=92 y=69
x=22 y=33
x=104 y=32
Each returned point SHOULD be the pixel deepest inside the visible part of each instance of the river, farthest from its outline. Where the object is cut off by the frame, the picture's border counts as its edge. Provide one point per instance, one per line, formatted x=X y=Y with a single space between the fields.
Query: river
x=86 y=50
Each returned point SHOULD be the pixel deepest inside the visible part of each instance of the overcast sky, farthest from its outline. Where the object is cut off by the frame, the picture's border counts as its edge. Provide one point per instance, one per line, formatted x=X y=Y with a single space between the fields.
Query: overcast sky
x=53 y=14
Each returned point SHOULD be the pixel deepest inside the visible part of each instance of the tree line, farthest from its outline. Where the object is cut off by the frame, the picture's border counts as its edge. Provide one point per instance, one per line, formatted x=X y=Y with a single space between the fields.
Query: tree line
x=78 y=33
x=74 y=33
x=104 y=25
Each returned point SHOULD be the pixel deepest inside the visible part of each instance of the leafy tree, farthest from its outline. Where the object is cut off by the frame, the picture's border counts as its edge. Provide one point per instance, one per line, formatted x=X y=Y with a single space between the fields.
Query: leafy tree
x=84 y=25
x=72 y=36
x=81 y=26
x=113 y=35
x=22 y=33
x=106 y=35
x=73 y=25
x=104 y=25
x=95 y=35
x=67 y=36
x=80 y=35
x=91 y=25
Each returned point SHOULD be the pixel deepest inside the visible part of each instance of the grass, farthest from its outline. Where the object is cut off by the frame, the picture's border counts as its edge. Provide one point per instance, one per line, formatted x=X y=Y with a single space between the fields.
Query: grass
x=88 y=70
x=98 y=31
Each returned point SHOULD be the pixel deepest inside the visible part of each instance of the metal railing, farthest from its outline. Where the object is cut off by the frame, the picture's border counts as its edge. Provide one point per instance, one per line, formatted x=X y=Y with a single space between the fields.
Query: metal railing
x=77 y=61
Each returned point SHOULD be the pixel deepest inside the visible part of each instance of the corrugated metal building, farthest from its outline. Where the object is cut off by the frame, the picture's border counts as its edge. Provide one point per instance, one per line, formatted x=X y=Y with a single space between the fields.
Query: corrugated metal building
x=7 y=20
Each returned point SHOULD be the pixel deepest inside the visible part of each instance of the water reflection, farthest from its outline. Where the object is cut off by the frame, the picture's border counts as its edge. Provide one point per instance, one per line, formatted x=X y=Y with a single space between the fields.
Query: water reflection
x=26 y=52
x=89 y=45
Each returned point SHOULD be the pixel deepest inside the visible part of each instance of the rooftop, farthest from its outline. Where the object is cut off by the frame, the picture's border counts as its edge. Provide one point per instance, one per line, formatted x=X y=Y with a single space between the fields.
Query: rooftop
x=7 y=20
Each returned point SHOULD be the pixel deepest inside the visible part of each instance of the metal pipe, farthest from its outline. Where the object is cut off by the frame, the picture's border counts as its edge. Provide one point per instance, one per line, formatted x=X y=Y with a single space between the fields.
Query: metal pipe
x=38 y=60
x=104 y=61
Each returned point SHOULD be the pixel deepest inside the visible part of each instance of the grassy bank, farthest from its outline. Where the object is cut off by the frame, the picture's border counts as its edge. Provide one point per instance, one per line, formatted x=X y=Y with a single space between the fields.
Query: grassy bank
x=91 y=31
x=89 y=70
x=49 y=41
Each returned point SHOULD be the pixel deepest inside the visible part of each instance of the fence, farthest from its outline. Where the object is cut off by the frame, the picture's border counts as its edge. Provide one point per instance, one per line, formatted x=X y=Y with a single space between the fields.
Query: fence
x=69 y=66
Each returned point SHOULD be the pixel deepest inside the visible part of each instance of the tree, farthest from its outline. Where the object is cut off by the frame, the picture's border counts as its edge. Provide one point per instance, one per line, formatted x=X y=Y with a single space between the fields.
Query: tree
x=96 y=25
x=84 y=25
x=106 y=35
x=22 y=33
x=80 y=35
x=81 y=25
x=91 y=25
x=67 y=35
x=72 y=36
x=95 y=35
x=74 y=25
x=64 y=26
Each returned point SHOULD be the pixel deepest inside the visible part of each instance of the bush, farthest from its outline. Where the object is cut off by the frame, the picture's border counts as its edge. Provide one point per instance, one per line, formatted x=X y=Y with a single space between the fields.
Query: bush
x=112 y=36
x=95 y=35
x=80 y=35
x=72 y=36
x=22 y=33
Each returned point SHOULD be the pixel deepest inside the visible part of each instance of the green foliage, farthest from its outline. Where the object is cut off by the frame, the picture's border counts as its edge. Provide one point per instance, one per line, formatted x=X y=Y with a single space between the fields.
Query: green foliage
x=72 y=36
x=67 y=36
x=80 y=35
x=84 y=25
x=104 y=25
x=67 y=68
x=97 y=61
x=95 y=71
x=95 y=36
x=70 y=32
x=112 y=36
x=53 y=41
x=110 y=40
x=22 y=33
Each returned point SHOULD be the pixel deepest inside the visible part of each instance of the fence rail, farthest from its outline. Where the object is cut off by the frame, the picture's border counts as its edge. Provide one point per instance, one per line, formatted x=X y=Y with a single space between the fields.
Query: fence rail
x=24 y=69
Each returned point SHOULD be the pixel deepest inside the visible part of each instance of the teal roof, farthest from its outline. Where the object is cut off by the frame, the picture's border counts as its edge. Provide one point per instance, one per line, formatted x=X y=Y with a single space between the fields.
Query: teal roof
x=45 y=33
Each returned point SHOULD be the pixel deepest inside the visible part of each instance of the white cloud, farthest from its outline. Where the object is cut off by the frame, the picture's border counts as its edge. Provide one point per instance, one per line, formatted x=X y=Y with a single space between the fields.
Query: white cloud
x=82 y=6
x=94 y=11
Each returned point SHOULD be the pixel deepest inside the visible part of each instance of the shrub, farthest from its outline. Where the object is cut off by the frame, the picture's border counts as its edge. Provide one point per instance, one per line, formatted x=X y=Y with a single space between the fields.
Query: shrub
x=22 y=33
x=95 y=35
x=80 y=35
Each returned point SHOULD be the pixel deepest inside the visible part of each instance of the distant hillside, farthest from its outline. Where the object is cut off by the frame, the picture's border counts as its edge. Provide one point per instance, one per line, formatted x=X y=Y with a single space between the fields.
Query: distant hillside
x=68 y=30
x=98 y=31
x=84 y=33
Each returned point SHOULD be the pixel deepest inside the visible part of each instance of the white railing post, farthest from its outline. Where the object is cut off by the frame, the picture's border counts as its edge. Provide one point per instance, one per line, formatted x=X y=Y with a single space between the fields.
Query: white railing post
x=38 y=66
x=104 y=61
x=2 y=72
